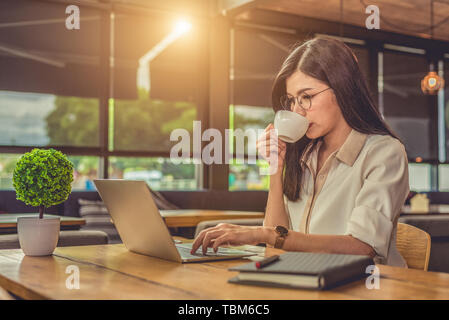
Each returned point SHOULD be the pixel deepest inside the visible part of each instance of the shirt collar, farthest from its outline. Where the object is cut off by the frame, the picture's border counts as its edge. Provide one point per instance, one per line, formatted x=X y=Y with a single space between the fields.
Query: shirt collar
x=347 y=153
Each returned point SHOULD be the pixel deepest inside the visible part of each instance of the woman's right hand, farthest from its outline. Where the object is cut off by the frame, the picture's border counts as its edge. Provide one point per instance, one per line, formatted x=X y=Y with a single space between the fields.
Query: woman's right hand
x=271 y=148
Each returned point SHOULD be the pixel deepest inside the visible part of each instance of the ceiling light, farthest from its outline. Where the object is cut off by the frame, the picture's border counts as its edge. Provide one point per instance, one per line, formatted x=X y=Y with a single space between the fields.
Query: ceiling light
x=182 y=27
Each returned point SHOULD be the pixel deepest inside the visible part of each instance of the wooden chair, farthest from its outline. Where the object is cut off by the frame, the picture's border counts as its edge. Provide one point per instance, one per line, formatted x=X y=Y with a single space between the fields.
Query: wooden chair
x=414 y=246
x=4 y=295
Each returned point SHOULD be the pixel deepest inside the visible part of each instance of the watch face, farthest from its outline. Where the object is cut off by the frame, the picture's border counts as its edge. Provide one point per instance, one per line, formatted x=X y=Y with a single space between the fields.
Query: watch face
x=281 y=230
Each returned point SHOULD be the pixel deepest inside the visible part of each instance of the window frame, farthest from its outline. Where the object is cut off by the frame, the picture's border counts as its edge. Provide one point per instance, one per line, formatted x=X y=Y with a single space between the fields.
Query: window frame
x=213 y=107
x=102 y=151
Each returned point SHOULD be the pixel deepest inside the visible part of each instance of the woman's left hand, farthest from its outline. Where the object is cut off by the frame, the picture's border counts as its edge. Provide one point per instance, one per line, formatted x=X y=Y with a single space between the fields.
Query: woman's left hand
x=227 y=234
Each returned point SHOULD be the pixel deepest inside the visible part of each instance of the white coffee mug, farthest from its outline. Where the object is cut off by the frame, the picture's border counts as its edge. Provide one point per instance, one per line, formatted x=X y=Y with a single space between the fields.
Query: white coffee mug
x=290 y=126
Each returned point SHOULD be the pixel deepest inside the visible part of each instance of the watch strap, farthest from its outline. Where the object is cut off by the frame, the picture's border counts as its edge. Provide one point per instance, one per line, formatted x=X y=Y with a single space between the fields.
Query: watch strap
x=279 y=242
x=282 y=233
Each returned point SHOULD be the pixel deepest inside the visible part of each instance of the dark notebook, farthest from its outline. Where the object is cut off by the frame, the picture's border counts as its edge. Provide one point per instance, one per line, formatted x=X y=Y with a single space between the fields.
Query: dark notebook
x=305 y=270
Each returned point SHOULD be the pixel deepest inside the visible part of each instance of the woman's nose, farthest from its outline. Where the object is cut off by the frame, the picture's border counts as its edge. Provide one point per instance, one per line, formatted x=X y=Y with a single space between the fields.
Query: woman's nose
x=298 y=109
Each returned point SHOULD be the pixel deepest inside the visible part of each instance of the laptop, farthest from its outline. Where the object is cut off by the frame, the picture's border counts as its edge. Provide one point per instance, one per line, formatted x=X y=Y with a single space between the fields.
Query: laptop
x=142 y=228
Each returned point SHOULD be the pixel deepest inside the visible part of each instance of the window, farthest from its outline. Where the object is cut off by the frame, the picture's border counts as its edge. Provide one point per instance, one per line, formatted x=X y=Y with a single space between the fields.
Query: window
x=55 y=90
x=446 y=102
x=85 y=170
x=39 y=119
x=243 y=174
x=362 y=55
x=419 y=177
x=254 y=119
x=50 y=78
x=50 y=84
x=443 y=177
x=258 y=57
x=159 y=173
x=410 y=113
x=7 y=165
x=248 y=176
x=156 y=89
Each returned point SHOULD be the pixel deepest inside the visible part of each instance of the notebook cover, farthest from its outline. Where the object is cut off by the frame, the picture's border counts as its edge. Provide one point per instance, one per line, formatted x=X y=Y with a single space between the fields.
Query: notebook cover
x=334 y=269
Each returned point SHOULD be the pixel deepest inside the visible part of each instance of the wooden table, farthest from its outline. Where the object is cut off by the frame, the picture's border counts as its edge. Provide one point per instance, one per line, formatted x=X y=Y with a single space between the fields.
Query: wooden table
x=190 y=218
x=112 y=272
x=8 y=222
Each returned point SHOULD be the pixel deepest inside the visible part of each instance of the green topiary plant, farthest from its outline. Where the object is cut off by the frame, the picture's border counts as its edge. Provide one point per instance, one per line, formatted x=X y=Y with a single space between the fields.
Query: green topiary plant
x=43 y=178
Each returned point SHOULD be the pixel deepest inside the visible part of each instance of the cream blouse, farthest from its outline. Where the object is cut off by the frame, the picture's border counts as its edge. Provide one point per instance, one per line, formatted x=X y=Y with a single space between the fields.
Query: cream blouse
x=359 y=191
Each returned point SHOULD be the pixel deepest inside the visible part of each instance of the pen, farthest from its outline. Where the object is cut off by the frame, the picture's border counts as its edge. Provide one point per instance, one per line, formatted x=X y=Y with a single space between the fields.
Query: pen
x=267 y=261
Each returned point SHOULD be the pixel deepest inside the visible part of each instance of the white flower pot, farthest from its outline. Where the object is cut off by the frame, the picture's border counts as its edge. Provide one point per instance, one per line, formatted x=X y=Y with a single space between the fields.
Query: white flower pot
x=38 y=237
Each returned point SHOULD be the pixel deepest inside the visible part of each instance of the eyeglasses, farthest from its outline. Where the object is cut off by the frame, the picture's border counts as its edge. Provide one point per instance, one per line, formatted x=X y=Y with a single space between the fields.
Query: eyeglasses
x=304 y=100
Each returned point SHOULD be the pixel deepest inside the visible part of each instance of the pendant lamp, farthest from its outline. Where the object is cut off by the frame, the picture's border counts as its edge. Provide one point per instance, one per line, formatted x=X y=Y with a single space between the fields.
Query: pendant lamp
x=432 y=82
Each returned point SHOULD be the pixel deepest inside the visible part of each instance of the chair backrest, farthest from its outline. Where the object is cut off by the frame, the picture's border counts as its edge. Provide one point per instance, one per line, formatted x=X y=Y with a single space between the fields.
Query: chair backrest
x=414 y=246
x=4 y=295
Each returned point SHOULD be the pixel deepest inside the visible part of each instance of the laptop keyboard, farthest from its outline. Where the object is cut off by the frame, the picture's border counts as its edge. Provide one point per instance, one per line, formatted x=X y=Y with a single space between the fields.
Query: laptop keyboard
x=184 y=251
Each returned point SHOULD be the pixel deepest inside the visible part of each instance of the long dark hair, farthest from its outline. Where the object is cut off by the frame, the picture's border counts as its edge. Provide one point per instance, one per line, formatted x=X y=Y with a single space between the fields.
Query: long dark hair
x=332 y=62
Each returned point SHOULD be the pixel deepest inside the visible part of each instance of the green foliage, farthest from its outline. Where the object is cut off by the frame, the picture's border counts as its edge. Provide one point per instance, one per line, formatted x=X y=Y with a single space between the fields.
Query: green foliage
x=142 y=164
x=43 y=178
x=246 y=119
x=74 y=121
x=84 y=165
x=243 y=121
x=146 y=124
x=9 y=162
x=140 y=124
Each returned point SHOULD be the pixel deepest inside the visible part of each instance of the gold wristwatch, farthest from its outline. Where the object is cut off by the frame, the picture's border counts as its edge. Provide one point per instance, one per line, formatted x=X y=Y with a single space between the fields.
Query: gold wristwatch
x=282 y=234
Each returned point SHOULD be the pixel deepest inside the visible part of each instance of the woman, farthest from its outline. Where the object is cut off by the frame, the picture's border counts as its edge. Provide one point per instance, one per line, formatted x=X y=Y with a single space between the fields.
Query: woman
x=341 y=187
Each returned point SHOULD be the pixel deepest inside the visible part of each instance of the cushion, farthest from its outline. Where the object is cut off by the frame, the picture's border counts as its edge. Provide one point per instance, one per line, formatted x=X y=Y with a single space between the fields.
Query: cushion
x=161 y=202
x=66 y=238
x=97 y=218
x=94 y=212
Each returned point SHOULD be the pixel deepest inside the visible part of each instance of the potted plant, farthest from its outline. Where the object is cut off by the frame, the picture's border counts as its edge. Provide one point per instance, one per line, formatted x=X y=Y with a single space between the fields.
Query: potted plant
x=42 y=178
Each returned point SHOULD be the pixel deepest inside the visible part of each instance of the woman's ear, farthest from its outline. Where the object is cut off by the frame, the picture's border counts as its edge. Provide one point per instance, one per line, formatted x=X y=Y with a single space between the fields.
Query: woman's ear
x=333 y=97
